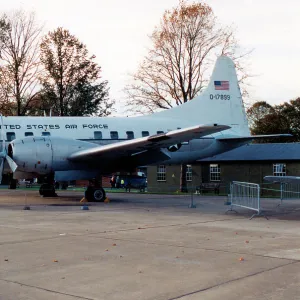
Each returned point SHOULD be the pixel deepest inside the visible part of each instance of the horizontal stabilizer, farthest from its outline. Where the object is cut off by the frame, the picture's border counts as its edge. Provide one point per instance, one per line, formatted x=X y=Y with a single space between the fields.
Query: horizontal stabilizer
x=283 y=179
x=252 y=137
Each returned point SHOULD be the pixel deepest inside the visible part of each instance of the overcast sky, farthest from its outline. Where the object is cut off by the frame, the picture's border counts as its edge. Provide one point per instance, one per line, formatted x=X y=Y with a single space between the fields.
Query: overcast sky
x=116 y=31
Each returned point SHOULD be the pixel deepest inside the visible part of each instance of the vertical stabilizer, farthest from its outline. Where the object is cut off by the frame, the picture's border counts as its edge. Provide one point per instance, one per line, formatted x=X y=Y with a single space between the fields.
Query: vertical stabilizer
x=220 y=103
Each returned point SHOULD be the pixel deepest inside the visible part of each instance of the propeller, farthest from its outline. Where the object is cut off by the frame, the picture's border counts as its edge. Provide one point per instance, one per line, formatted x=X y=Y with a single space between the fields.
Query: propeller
x=3 y=154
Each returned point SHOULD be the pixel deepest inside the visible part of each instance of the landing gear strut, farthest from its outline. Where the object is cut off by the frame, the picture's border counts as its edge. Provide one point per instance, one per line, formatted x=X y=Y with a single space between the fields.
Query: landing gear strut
x=47 y=189
x=94 y=192
x=13 y=184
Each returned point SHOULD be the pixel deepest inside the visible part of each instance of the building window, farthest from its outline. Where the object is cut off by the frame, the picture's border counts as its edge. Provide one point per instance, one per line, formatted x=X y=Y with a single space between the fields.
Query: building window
x=46 y=133
x=28 y=133
x=10 y=136
x=215 y=172
x=130 y=135
x=279 y=170
x=160 y=132
x=161 y=173
x=189 y=173
x=98 y=135
x=145 y=133
x=114 y=135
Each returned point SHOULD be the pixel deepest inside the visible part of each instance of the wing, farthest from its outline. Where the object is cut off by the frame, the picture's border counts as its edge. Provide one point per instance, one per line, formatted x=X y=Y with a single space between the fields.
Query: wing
x=153 y=142
x=252 y=137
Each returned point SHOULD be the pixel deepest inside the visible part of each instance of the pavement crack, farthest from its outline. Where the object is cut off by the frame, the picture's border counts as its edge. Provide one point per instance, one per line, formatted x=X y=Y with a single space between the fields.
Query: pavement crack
x=46 y=290
x=163 y=226
x=29 y=241
x=230 y=281
x=195 y=248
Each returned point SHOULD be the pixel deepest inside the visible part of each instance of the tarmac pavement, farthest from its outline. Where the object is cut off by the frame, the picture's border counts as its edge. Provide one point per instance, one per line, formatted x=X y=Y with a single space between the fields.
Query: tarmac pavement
x=142 y=246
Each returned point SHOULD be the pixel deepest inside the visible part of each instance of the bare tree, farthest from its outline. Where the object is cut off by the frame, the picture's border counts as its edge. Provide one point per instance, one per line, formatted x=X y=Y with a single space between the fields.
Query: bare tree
x=19 y=61
x=4 y=29
x=185 y=45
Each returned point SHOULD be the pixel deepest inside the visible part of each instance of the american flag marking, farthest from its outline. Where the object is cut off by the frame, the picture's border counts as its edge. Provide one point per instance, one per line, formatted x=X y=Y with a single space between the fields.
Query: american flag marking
x=221 y=85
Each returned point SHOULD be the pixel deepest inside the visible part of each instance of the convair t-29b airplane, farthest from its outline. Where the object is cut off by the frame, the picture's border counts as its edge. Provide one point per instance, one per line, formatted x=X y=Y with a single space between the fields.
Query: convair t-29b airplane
x=86 y=147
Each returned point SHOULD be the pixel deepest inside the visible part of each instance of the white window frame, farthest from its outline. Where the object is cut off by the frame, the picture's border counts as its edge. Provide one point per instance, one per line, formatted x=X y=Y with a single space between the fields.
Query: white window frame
x=161 y=173
x=279 y=169
x=215 y=172
x=189 y=173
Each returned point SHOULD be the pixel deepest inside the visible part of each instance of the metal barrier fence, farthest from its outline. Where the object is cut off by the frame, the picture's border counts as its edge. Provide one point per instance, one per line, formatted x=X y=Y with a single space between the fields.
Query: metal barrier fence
x=245 y=195
x=289 y=191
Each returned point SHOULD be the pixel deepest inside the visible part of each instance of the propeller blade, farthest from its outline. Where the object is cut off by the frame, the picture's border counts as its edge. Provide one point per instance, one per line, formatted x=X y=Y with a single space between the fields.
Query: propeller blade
x=1 y=169
x=13 y=166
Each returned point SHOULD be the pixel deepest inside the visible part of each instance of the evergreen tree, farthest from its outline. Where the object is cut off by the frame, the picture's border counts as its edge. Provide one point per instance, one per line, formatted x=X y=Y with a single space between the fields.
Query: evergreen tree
x=71 y=85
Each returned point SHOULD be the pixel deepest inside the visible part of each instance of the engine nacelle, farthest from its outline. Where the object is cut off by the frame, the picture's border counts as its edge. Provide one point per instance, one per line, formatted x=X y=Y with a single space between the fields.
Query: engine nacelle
x=43 y=155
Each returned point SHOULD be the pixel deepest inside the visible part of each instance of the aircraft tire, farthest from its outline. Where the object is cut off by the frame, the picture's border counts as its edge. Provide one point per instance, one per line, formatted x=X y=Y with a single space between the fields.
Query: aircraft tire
x=95 y=194
x=47 y=190
x=13 y=184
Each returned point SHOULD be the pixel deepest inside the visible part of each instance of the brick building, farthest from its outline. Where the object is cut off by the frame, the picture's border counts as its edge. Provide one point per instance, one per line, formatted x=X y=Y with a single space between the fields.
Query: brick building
x=249 y=163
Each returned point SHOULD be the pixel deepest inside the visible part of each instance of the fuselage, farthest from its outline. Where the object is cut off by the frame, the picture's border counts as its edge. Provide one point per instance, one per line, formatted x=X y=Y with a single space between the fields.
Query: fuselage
x=108 y=130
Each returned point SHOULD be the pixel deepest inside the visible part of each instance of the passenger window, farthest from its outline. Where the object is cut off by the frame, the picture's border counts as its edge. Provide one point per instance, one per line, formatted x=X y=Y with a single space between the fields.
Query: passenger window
x=28 y=133
x=130 y=135
x=98 y=135
x=145 y=133
x=10 y=136
x=160 y=132
x=114 y=135
x=46 y=133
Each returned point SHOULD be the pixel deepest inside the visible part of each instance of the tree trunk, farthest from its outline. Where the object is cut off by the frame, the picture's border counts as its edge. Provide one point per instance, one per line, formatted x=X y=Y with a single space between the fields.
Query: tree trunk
x=18 y=94
x=183 y=186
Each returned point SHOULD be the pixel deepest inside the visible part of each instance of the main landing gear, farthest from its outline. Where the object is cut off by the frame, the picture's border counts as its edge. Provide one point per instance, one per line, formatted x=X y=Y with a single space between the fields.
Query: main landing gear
x=47 y=189
x=94 y=192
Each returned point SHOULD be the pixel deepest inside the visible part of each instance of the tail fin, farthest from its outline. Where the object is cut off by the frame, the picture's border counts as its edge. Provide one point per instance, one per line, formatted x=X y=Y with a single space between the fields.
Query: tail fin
x=220 y=103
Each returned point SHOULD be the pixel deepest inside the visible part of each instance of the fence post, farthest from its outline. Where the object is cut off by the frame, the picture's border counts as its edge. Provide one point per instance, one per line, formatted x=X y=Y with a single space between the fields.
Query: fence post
x=26 y=206
x=192 y=205
x=258 y=200
x=281 y=192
